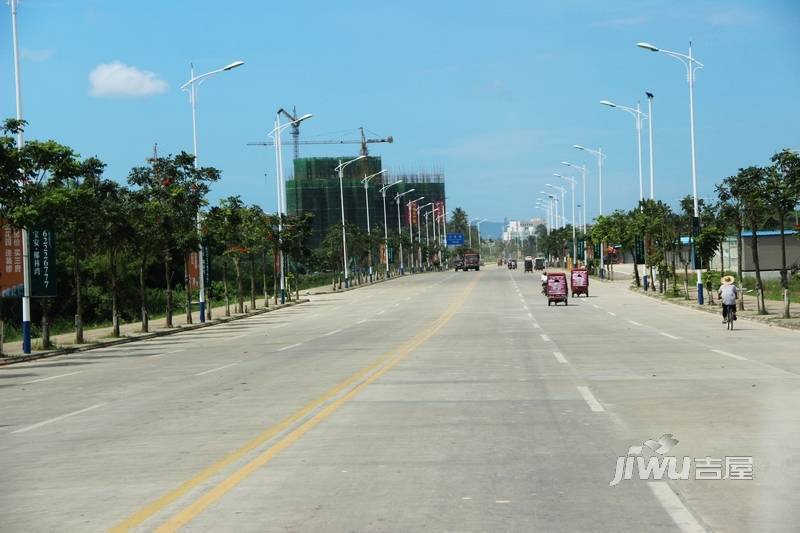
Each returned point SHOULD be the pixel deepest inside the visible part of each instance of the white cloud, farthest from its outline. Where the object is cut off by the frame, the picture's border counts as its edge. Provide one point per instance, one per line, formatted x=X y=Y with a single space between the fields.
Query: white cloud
x=116 y=79
x=37 y=55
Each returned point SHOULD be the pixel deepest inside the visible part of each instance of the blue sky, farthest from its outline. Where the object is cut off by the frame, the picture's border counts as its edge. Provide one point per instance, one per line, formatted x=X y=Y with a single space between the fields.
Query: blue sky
x=494 y=93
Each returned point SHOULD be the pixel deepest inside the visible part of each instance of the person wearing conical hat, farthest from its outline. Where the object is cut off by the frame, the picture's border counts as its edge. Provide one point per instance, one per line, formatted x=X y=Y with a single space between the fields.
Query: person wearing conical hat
x=728 y=294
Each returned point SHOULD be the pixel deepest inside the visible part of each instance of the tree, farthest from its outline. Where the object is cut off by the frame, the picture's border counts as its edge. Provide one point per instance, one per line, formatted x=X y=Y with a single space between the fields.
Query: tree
x=748 y=187
x=115 y=231
x=227 y=223
x=783 y=194
x=69 y=202
x=296 y=233
x=175 y=190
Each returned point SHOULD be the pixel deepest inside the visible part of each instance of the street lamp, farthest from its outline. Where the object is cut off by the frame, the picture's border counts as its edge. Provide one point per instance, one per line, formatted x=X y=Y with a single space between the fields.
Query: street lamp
x=563 y=203
x=365 y=181
x=419 y=233
x=192 y=85
x=692 y=65
x=26 y=282
x=571 y=180
x=427 y=239
x=280 y=183
x=583 y=181
x=397 y=197
x=600 y=157
x=411 y=229
x=650 y=97
x=385 y=225
x=479 y=234
x=554 y=214
x=639 y=116
x=340 y=170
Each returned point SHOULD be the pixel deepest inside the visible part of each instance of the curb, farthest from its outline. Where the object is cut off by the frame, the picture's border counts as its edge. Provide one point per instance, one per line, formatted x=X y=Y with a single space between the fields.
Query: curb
x=396 y=276
x=762 y=319
x=10 y=360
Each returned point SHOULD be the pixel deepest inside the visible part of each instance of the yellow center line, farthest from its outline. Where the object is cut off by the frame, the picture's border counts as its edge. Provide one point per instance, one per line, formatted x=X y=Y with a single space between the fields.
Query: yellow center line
x=362 y=378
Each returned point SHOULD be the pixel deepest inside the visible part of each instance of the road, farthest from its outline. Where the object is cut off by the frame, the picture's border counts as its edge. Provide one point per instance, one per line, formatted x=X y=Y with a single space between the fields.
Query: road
x=446 y=401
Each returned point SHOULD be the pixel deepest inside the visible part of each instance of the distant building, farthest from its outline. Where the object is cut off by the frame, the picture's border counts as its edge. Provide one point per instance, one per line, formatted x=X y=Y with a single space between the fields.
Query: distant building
x=315 y=189
x=521 y=229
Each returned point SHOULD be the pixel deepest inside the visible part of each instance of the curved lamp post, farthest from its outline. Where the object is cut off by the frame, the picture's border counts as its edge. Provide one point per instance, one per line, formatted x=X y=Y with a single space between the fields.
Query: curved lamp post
x=385 y=225
x=639 y=116
x=397 y=197
x=192 y=85
x=280 y=183
x=340 y=170
x=365 y=181
x=692 y=65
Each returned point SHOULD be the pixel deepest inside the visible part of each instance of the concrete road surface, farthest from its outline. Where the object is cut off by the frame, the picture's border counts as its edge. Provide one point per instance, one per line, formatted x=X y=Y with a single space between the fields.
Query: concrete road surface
x=439 y=402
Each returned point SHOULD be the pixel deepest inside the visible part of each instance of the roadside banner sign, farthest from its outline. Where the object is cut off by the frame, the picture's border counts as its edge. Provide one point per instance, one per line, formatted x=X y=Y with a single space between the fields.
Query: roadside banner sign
x=206 y=266
x=42 y=247
x=193 y=271
x=193 y=274
x=455 y=239
x=11 y=275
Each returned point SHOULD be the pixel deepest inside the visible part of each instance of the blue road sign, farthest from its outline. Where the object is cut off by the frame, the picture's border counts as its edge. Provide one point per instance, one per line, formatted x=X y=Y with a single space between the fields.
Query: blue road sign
x=455 y=239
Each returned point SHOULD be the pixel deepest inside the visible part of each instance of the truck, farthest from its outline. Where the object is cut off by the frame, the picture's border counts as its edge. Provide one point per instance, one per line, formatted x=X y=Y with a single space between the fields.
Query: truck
x=472 y=260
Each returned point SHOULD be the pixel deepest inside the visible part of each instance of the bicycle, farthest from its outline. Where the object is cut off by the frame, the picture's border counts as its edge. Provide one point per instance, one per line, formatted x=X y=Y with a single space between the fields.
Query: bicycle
x=729 y=313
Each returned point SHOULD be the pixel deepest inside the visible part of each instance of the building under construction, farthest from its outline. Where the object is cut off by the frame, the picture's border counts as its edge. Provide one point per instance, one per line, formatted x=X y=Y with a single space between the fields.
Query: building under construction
x=315 y=189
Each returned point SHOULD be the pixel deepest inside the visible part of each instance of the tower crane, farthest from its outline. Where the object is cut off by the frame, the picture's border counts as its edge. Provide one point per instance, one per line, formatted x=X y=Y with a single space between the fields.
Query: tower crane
x=296 y=141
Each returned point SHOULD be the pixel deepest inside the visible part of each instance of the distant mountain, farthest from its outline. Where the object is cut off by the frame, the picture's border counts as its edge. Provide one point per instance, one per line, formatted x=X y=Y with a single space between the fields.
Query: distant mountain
x=492 y=230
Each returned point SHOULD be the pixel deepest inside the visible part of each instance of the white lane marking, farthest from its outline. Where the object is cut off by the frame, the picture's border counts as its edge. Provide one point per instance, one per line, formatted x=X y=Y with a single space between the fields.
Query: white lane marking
x=165 y=353
x=537 y=326
x=530 y=315
x=634 y=322
x=290 y=347
x=668 y=335
x=739 y=357
x=380 y=312
x=596 y=306
x=589 y=398
x=51 y=377
x=361 y=321
x=675 y=508
x=236 y=337
x=396 y=305
x=62 y=417
x=560 y=357
x=502 y=501
x=525 y=307
x=334 y=332
x=612 y=314
x=216 y=369
x=545 y=338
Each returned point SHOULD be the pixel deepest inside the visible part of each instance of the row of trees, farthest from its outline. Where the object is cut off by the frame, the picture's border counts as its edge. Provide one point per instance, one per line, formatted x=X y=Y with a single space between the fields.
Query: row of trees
x=754 y=199
x=113 y=239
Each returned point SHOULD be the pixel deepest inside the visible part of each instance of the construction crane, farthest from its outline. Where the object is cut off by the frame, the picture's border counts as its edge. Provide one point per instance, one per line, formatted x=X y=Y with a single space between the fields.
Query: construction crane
x=296 y=141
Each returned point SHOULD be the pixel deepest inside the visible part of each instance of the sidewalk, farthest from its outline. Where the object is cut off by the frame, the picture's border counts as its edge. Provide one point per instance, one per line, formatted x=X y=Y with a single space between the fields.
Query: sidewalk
x=774 y=307
x=129 y=332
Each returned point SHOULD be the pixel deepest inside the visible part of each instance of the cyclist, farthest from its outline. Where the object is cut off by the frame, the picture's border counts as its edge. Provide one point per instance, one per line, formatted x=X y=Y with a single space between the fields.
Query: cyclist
x=728 y=294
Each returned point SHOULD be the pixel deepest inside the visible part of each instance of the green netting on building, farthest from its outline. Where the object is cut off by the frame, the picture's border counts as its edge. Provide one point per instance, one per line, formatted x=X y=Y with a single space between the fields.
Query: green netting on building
x=315 y=189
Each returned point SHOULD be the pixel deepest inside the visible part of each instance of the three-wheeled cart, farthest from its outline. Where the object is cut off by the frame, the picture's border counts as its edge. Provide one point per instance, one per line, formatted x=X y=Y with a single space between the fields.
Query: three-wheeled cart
x=579 y=282
x=556 y=288
x=528 y=264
